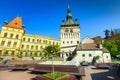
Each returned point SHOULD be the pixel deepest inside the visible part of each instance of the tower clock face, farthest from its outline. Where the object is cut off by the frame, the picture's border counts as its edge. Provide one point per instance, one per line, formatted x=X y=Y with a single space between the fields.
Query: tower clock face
x=66 y=30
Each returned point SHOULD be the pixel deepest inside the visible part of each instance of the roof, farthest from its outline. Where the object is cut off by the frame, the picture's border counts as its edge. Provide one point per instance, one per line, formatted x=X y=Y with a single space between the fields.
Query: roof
x=88 y=46
x=97 y=40
x=105 y=50
x=16 y=23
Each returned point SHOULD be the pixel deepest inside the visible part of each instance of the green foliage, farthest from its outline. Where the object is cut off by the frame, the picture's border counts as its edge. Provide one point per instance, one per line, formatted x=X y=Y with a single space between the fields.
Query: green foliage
x=51 y=51
x=56 y=75
x=97 y=57
x=1 y=58
x=112 y=46
x=33 y=58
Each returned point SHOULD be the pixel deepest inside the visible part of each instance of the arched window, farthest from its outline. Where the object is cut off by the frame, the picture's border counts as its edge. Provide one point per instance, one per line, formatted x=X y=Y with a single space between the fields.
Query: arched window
x=11 y=35
x=33 y=40
x=17 y=36
x=22 y=46
x=28 y=39
x=41 y=47
x=5 y=35
x=32 y=47
x=36 y=47
x=24 y=39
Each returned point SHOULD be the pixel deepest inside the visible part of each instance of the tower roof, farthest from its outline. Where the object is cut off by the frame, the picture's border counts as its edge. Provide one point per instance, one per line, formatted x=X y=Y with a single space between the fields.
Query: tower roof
x=16 y=23
x=69 y=16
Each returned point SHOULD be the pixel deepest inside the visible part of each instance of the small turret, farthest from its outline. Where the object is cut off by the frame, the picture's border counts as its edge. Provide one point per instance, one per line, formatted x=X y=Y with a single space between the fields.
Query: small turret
x=63 y=22
x=76 y=21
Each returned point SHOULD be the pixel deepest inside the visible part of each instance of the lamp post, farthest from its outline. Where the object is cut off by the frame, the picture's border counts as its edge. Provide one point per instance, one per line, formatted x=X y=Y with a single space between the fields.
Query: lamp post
x=52 y=64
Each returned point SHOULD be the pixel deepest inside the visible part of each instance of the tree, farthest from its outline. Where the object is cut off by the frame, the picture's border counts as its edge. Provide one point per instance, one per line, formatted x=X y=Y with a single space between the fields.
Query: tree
x=106 y=33
x=112 y=47
x=51 y=51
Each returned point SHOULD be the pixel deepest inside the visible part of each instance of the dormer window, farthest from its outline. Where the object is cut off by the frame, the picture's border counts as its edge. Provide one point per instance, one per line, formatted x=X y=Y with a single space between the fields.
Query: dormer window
x=16 y=23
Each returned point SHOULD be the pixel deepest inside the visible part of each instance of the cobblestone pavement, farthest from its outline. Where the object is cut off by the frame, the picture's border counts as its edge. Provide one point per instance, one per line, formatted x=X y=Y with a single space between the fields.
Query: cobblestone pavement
x=99 y=74
x=15 y=75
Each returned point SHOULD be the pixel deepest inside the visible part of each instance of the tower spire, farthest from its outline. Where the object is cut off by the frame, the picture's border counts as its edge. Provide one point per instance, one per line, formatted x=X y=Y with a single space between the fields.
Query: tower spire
x=69 y=15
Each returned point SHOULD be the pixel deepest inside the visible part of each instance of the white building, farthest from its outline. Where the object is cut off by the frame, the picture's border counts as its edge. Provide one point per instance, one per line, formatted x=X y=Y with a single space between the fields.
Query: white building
x=89 y=49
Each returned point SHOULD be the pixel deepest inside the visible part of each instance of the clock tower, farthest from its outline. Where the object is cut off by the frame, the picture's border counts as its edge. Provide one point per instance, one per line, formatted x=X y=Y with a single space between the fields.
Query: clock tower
x=69 y=33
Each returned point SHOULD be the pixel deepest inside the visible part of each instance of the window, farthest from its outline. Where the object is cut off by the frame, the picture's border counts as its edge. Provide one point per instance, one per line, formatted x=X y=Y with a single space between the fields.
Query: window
x=12 y=53
x=37 y=40
x=90 y=55
x=2 y=43
x=63 y=42
x=71 y=42
x=53 y=43
x=106 y=56
x=27 y=47
x=67 y=42
x=17 y=36
x=33 y=40
x=32 y=47
x=11 y=35
x=24 y=39
x=14 y=45
x=43 y=41
x=56 y=43
x=83 y=55
x=5 y=35
x=22 y=46
x=36 y=47
x=77 y=42
x=49 y=42
x=46 y=42
x=40 y=41
x=41 y=47
x=9 y=43
x=28 y=39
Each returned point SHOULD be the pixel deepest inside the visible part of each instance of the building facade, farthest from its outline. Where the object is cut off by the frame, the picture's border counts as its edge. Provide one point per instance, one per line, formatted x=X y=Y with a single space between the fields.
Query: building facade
x=15 y=42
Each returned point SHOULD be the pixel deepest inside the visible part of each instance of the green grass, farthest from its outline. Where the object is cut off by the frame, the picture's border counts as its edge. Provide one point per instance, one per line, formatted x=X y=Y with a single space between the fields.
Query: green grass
x=55 y=75
x=114 y=60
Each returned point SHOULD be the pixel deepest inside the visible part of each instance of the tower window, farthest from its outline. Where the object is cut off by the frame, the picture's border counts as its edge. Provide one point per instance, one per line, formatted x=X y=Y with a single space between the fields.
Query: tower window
x=77 y=42
x=5 y=35
x=67 y=42
x=71 y=30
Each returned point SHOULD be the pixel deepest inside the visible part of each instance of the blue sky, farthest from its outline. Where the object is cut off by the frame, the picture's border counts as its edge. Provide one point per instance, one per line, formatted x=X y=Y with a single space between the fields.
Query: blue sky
x=44 y=17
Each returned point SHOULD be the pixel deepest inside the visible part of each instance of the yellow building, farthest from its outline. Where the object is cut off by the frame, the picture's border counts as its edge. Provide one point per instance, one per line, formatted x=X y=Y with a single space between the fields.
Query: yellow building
x=14 y=41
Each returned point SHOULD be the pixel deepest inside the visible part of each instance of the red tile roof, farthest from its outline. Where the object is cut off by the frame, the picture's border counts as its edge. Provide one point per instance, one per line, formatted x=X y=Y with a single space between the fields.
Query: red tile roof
x=16 y=23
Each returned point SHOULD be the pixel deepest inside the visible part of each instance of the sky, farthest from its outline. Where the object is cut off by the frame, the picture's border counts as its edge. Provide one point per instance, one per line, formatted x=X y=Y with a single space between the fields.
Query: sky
x=44 y=17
